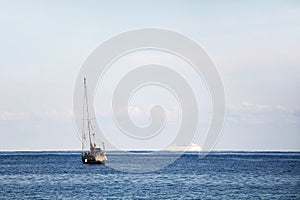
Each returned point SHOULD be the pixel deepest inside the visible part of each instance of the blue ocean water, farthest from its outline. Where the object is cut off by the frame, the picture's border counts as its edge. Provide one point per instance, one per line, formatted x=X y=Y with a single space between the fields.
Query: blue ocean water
x=220 y=175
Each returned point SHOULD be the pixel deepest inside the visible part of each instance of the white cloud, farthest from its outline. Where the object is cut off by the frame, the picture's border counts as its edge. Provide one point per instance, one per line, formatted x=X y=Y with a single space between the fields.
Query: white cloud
x=13 y=116
x=55 y=115
x=44 y=115
x=262 y=113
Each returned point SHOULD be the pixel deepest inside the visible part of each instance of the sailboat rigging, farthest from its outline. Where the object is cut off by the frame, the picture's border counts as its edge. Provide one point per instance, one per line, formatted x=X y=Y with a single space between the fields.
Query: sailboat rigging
x=95 y=154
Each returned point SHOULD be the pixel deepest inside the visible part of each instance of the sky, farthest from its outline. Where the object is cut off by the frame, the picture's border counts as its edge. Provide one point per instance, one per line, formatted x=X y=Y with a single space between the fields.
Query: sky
x=253 y=44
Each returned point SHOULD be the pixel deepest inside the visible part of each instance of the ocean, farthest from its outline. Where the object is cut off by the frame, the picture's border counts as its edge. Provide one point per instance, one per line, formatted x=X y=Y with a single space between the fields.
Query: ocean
x=220 y=175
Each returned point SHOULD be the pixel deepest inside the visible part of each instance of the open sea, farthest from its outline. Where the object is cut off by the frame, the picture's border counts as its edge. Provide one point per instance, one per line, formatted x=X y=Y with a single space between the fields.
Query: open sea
x=220 y=175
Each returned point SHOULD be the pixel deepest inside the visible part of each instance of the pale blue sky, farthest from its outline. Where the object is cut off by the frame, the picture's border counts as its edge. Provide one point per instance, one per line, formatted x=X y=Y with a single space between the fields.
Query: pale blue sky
x=254 y=45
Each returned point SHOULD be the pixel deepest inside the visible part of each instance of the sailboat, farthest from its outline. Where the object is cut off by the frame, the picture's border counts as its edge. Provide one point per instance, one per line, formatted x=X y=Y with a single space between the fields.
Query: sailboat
x=95 y=154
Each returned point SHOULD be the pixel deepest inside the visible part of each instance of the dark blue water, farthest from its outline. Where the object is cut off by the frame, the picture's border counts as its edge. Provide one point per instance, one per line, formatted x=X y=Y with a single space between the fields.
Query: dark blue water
x=61 y=175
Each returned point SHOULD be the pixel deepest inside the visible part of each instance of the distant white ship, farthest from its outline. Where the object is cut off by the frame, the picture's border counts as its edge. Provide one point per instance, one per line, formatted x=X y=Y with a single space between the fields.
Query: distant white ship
x=191 y=147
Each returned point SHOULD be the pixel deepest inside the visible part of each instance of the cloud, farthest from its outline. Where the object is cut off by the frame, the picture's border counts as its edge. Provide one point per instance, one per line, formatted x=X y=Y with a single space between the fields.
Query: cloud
x=55 y=115
x=44 y=115
x=142 y=113
x=13 y=116
x=262 y=113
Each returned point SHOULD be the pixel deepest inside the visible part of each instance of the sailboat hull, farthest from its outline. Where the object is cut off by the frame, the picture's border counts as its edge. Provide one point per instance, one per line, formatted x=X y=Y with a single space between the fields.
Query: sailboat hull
x=92 y=159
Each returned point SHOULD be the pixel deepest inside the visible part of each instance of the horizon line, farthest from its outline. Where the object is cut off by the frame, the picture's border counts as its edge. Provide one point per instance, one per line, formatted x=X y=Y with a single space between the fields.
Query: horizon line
x=148 y=150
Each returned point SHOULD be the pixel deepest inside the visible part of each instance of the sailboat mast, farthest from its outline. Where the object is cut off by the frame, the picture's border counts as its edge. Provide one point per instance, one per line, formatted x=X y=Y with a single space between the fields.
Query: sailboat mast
x=83 y=127
x=88 y=115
